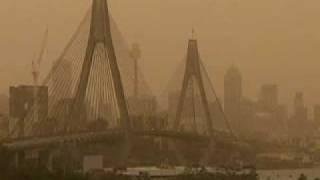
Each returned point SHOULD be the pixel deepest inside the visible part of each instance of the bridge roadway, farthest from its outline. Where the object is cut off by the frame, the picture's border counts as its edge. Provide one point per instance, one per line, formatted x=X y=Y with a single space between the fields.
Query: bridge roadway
x=103 y=136
x=99 y=136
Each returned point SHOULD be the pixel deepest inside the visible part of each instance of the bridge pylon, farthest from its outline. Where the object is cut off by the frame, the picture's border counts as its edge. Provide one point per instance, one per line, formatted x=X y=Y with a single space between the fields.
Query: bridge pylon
x=192 y=74
x=100 y=33
x=194 y=77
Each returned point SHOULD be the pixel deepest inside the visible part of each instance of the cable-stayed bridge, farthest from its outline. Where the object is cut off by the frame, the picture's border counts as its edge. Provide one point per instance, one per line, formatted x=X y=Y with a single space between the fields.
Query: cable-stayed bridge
x=93 y=84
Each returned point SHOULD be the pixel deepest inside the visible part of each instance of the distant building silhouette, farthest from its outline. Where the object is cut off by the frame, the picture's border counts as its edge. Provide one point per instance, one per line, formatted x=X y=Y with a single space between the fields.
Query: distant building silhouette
x=299 y=121
x=4 y=125
x=316 y=115
x=248 y=114
x=22 y=102
x=270 y=114
x=268 y=98
x=233 y=96
x=4 y=104
x=140 y=109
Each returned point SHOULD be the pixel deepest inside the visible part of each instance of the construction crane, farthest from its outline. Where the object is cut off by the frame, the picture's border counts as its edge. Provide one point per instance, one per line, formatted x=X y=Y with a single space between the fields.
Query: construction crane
x=36 y=74
x=36 y=63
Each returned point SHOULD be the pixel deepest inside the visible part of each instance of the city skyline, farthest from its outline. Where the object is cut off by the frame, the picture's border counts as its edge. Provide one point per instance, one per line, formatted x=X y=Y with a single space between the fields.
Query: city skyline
x=193 y=90
x=229 y=37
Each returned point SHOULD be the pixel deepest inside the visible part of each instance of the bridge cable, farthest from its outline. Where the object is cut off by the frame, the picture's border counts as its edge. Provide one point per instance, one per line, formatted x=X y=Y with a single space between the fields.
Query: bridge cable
x=218 y=100
x=193 y=105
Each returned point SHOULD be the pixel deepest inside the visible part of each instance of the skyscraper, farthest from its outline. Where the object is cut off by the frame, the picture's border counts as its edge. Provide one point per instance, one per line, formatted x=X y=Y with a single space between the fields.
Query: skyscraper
x=300 y=111
x=233 y=95
x=22 y=102
x=272 y=115
x=268 y=98
x=299 y=121
x=316 y=115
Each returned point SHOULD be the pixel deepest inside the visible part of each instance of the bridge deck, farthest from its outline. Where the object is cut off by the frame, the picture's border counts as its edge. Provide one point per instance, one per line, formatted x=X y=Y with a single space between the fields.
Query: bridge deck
x=87 y=137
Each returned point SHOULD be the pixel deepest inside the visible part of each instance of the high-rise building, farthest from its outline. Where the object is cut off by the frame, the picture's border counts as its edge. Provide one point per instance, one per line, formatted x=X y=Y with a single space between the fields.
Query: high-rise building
x=300 y=111
x=4 y=126
x=316 y=115
x=271 y=114
x=4 y=104
x=142 y=106
x=22 y=103
x=233 y=96
x=248 y=115
x=268 y=98
x=299 y=121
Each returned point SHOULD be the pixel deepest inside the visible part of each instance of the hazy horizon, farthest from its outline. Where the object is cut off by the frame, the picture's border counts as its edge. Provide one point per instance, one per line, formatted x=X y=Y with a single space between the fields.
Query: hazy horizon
x=271 y=41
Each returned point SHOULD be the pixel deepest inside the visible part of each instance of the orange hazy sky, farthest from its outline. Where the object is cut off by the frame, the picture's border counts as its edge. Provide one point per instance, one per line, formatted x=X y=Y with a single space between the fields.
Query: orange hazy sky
x=271 y=41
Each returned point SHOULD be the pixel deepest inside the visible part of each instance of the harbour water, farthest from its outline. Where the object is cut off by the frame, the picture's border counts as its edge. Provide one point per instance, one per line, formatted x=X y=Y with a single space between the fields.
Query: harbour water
x=292 y=174
x=311 y=174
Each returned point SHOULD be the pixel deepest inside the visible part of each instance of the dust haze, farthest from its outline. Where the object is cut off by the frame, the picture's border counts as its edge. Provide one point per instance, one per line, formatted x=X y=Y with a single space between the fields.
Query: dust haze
x=274 y=41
